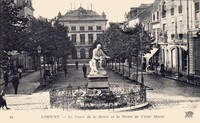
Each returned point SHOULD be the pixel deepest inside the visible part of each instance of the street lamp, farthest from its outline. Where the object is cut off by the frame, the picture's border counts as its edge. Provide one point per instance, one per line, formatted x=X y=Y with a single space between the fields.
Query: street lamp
x=141 y=47
x=39 y=50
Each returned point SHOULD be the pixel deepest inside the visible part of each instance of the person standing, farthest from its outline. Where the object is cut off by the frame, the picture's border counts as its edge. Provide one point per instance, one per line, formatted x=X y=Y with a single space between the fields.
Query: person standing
x=15 y=82
x=6 y=77
x=3 y=99
x=144 y=65
x=162 y=69
x=45 y=75
x=20 y=72
x=84 y=68
x=65 y=70
x=76 y=63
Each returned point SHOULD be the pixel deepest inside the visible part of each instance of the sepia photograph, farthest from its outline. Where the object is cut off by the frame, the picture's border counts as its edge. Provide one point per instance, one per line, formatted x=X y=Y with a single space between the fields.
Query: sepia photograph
x=100 y=61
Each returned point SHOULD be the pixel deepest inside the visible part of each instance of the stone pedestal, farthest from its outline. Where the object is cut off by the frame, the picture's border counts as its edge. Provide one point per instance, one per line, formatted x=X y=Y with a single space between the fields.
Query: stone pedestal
x=98 y=82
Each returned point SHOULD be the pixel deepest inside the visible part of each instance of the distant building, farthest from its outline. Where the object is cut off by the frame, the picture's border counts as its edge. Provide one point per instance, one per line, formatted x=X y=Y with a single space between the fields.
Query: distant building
x=27 y=10
x=176 y=35
x=142 y=15
x=23 y=58
x=84 y=28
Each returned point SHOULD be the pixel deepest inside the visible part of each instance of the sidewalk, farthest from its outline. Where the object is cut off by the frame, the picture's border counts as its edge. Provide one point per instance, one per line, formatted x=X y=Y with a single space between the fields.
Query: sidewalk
x=27 y=72
x=28 y=83
x=193 y=80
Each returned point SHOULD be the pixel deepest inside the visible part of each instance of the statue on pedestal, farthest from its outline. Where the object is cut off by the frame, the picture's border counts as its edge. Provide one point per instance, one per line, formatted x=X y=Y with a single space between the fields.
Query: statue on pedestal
x=96 y=62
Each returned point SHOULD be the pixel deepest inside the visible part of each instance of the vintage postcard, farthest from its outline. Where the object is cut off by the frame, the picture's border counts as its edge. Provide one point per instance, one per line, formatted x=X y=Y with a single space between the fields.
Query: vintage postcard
x=97 y=60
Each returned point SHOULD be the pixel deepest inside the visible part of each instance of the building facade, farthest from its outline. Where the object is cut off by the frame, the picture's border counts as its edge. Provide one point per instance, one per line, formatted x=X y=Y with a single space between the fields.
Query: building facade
x=178 y=27
x=174 y=25
x=84 y=28
x=27 y=10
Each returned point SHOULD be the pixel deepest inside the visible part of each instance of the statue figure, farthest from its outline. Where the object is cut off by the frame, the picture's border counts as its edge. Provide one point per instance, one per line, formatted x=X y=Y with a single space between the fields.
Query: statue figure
x=97 y=57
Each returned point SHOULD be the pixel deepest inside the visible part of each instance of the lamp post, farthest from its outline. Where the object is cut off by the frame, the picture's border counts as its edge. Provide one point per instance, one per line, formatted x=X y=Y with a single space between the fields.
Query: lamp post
x=141 y=47
x=39 y=50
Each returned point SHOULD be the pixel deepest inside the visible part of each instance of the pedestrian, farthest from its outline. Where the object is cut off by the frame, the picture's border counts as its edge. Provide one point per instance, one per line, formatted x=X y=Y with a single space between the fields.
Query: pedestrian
x=20 y=72
x=65 y=70
x=6 y=77
x=148 y=68
x=45 y=75
x=15 y=82
x=162 y=69
x=76 y=63
x=84 y=68
x=3 y=100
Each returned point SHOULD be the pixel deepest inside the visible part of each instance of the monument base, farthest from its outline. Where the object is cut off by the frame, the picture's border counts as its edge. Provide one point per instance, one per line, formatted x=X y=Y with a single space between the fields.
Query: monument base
x=98 y=82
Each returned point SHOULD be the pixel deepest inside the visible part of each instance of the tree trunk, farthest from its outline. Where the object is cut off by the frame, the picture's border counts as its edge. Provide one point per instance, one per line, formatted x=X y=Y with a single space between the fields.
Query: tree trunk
x=115 y=64
x=137 y=68
x=119 y=64
x=123 y=68
x=112 y=64
x=129 y=68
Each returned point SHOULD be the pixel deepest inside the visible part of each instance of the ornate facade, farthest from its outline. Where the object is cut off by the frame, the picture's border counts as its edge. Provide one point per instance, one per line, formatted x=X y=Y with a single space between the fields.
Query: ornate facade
x=174 y=24
x=84 y=27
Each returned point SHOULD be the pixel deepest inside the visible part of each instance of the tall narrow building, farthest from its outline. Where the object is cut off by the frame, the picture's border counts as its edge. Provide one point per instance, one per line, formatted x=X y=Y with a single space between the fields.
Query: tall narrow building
x=84 y=28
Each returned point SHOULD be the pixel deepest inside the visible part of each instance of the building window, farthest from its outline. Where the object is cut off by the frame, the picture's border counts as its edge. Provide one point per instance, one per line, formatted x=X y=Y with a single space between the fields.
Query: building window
x=98 y=27
x=180 y=36
x=164 y=27
x=82 y=38
x=184 y=60
x=73 y=28
x=90 y=28
x=172 y=36
x=172 y=11
x=90 y=37
x=158 y=16
x=82 y=28
x=180 y=9
x=73 y=38
x=197 y=11
x=154 y=17
x=164 y=10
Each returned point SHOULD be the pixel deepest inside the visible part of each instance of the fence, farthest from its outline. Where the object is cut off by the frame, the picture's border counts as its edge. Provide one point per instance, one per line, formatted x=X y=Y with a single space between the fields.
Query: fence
x=81 y=98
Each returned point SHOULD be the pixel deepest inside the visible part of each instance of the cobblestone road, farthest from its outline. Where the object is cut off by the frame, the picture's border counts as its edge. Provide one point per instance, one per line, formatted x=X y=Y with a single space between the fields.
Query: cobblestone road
x=166 y=93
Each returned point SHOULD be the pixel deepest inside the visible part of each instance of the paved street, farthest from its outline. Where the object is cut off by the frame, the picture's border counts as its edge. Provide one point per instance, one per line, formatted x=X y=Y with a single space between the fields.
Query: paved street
x=169 y=93
x=166 y=93
x=75 y=78
x=28 y=83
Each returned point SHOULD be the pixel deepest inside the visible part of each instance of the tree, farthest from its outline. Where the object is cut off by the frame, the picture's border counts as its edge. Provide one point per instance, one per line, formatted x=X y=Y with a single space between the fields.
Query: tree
x=11 y=25
x=126 y=44
x=52 y=37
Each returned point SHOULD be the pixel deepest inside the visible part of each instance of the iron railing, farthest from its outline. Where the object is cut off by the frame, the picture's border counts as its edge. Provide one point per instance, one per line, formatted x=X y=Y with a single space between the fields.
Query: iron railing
x=117 y=96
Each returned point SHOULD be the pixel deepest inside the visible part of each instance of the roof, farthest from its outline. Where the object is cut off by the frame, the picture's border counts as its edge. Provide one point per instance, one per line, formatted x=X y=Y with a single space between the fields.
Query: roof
x=81 y=12
x=146 y=13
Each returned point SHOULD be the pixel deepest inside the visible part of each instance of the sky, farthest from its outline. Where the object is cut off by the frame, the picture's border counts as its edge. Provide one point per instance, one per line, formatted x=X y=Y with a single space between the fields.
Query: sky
x=114 y=9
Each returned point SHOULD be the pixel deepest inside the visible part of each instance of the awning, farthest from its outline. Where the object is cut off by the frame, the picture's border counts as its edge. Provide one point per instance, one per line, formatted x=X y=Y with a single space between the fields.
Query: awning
x=152 y=52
